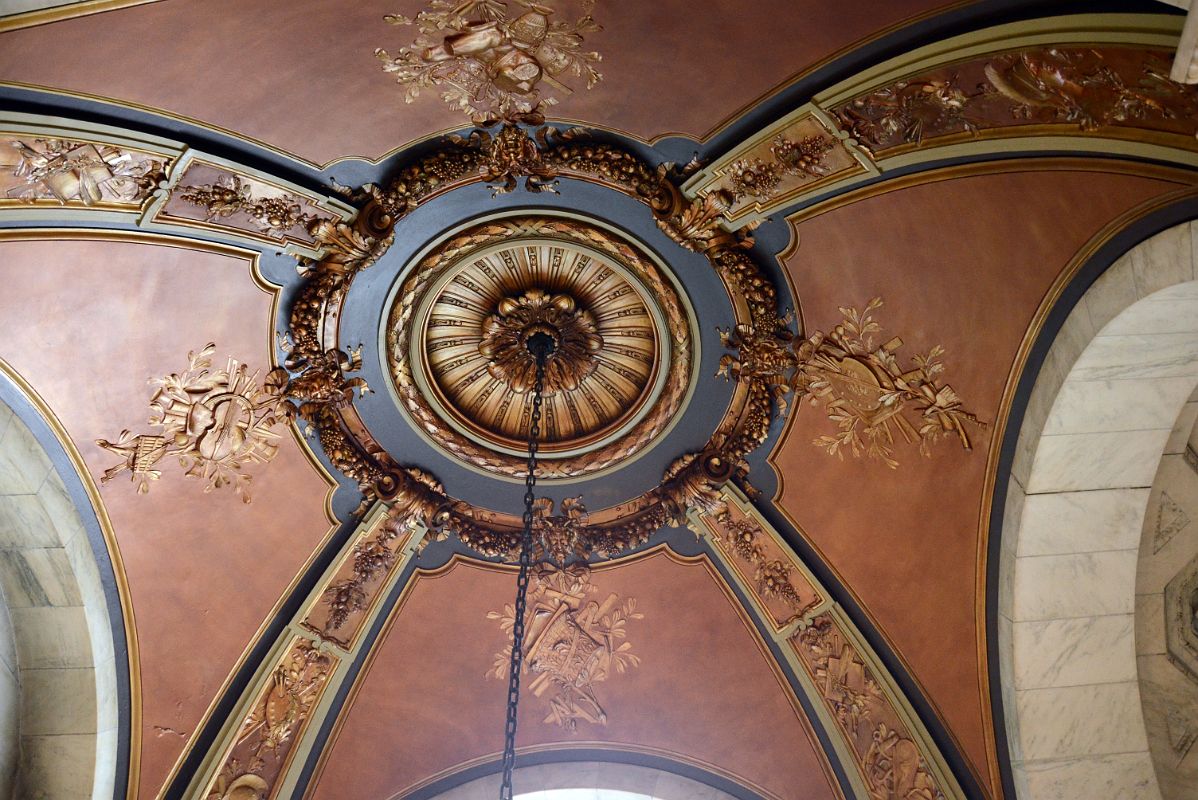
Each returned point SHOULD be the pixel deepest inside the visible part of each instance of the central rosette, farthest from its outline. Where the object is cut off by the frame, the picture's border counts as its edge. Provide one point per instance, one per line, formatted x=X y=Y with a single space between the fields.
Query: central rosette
x=456 y=342
x=574 y=331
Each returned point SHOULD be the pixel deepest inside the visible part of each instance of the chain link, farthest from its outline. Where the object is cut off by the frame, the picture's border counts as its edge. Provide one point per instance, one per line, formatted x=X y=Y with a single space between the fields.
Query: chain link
x=517 y=660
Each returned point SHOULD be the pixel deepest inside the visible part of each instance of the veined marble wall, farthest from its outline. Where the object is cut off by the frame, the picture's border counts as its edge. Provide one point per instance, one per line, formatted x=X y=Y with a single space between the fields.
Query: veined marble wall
x=64 y=662
x=1168 y=555
x=1102 y=412
x=600 y=779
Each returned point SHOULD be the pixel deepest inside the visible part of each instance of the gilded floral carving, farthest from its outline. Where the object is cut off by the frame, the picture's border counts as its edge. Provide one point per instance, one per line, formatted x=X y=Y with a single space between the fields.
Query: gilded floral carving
x=754 y=177
x=494 y=59
x=71 y=172
x=1086 y=89
x=214 y=422
x=766 y=364
x=572 y=642
x=859 y=383
x=228 y=195
x=870 y=397
x=772 y=577
x=574 y=331
x=342 y=608
x=760 y=179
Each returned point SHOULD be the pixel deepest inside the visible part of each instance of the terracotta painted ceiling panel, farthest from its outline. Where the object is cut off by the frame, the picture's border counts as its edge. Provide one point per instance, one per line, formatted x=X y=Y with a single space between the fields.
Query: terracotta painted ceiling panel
x=86 y=323
x=301 y=75
x=961 y=263
x=702 y=687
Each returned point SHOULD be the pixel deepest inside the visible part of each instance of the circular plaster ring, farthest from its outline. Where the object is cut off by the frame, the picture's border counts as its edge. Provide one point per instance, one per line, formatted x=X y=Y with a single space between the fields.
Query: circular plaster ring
x=592 y=276
x=648 y=417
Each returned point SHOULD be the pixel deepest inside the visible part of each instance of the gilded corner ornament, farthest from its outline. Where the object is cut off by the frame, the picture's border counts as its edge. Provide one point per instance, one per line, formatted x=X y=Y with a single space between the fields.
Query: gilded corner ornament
x=858 y=382
x=214 y=422
x=494 y=59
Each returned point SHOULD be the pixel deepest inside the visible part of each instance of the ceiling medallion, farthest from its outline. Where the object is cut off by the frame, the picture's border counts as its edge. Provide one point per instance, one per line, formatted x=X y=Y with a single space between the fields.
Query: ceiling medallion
x=456 y=345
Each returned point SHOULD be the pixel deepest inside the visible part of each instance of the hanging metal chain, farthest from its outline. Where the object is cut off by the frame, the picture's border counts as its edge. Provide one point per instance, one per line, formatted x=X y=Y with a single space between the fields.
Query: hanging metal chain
x=517 y=660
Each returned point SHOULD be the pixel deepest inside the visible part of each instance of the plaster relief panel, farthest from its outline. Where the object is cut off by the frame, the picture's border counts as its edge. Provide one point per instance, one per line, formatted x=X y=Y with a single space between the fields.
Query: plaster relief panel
x=890 y=760
x=778 y=165
x=265 y=741
x=345 y=604
x=211 y=196
x=765 y=565
x=1103 y=90
x=213 y=422
x=576 y=636
x=37 y=171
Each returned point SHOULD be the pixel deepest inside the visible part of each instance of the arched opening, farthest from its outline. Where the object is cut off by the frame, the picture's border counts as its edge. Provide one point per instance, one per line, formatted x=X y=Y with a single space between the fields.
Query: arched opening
x=1102 y=413
x=58 y=676
x=590 y=780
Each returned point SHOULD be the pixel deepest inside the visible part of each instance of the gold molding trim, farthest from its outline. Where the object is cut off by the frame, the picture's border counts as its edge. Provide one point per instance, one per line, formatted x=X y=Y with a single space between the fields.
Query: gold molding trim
x=82 y=8
x=1174 y=174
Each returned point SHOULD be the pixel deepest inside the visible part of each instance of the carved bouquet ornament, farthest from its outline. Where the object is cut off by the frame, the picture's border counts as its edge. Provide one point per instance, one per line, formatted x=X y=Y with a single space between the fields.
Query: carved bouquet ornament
x=493 y=59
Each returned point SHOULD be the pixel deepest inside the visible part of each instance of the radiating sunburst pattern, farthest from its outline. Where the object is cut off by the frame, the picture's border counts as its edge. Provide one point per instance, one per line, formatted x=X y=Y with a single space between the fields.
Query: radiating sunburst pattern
x=612 y=389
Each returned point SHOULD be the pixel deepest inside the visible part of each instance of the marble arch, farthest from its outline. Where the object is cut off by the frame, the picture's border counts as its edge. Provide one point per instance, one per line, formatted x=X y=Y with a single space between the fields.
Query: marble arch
x=1104 y=404
x=58 y=679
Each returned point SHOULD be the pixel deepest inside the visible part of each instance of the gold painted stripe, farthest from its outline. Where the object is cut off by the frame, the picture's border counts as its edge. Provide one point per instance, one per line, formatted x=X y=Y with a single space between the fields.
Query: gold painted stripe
x=44 y=16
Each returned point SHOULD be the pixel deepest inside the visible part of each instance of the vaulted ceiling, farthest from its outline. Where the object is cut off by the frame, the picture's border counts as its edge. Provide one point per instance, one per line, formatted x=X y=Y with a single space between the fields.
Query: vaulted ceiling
x=808 y=259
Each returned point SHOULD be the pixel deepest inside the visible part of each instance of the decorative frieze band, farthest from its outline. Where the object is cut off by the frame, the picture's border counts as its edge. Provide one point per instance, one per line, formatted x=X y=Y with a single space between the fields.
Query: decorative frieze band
x=76 y=170
x=1091 y=83
x=854 y=696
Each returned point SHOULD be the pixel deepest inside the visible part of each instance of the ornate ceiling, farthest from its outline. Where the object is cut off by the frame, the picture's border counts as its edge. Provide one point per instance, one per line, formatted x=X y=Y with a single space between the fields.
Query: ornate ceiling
x=269 y=272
